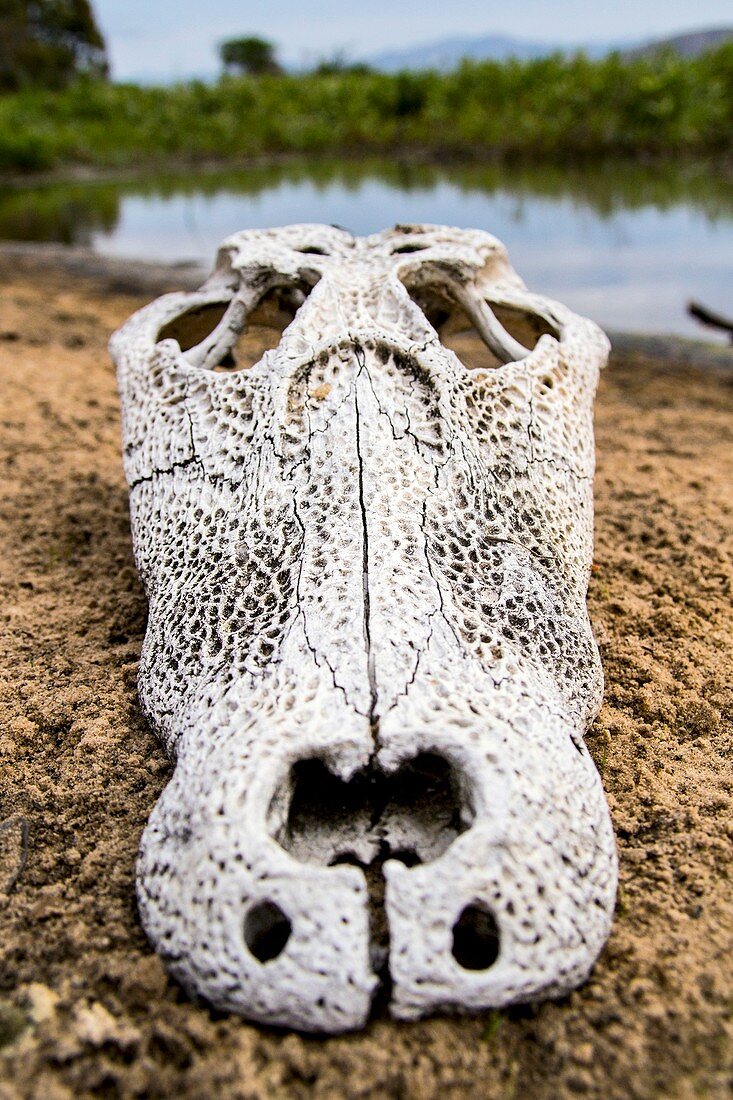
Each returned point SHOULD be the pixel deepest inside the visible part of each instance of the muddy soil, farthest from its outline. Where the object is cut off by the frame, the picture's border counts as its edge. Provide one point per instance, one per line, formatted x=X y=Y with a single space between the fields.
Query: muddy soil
x=85 y=1006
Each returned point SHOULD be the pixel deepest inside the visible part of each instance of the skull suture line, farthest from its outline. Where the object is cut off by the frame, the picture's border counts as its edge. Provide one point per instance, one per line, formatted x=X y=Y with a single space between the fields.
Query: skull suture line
x=368 y=648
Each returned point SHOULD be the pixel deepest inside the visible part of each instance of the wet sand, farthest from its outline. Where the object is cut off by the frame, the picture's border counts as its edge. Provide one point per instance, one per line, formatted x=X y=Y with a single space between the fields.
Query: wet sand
x=85 y=1007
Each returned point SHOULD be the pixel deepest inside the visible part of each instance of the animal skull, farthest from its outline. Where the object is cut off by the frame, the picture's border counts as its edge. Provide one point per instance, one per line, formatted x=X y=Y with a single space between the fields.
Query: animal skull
x=368 y=650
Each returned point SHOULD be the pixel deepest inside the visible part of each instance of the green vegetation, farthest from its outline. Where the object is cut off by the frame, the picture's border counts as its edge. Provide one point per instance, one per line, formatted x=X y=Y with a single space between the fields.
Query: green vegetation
x=48 y=43
x=552 y=109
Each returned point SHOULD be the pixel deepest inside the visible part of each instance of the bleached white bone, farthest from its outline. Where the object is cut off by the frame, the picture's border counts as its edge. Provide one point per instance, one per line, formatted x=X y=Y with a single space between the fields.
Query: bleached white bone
x=368 y=642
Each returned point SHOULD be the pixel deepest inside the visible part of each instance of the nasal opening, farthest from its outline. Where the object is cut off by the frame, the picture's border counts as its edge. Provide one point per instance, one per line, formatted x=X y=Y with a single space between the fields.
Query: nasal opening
x=476 y=938
x=412 y=815
x=266 y=931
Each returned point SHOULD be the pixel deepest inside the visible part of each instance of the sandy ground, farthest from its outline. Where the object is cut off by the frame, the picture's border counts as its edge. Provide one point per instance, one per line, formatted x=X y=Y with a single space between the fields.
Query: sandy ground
x=85 y=1007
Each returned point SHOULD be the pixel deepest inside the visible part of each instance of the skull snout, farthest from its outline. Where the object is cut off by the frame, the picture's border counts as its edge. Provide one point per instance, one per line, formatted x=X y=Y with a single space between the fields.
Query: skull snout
x=275 y=903
x=244 y=924
x=499 y=920
x=310 y=896
x=518 y=907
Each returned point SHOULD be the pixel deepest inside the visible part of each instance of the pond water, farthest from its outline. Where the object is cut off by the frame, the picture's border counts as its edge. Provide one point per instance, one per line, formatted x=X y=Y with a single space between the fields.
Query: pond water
x=624 y=244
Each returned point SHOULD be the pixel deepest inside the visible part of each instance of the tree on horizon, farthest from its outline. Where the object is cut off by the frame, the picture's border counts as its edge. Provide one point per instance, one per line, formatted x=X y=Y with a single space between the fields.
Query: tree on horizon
x=48 y=43
x=251 y=56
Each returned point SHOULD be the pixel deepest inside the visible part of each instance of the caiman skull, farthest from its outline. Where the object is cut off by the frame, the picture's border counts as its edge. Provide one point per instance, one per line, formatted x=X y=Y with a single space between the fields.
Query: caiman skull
x=368 y=650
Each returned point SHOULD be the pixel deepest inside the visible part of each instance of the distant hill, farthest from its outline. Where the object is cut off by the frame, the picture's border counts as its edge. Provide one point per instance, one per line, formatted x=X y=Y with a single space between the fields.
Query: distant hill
x=691 y=44
x=447 y=53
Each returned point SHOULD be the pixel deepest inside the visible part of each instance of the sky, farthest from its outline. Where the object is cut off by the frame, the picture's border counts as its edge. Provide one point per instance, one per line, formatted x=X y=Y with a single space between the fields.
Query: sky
x=175 y=39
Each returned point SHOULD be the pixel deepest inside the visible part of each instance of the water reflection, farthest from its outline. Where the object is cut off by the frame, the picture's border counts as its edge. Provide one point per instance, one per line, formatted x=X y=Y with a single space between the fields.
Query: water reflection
x=64 y=213
x=627 y=244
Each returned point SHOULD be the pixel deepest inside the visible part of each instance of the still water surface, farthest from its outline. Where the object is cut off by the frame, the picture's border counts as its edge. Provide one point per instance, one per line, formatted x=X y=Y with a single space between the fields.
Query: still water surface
x=626 y=245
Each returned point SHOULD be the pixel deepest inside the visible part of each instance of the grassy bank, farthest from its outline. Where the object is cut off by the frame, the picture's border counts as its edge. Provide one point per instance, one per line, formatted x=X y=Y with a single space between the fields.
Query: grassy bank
x=550 y=109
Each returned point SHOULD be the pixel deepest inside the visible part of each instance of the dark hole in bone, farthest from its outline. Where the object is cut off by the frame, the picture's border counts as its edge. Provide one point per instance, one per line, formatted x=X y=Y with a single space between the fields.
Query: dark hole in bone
x=262 y=331
x=418 y=811
x=412 y=816
x=406 y=856
x=349 y=858
x=476 y=938
x=408 y=248
x=458 y=332
x=312 y=250
x=266 y=931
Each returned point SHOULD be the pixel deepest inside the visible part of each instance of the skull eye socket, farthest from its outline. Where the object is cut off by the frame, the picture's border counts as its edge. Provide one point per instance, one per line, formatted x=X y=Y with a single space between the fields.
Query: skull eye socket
x=483 y=334
x=225 y=337
x=193 y=326
x=524 y=325
x=458 y=333
x=263 y=328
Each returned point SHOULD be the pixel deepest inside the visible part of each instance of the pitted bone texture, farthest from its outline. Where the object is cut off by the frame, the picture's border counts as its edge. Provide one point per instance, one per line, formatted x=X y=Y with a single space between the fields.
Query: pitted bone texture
x=366 y=555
